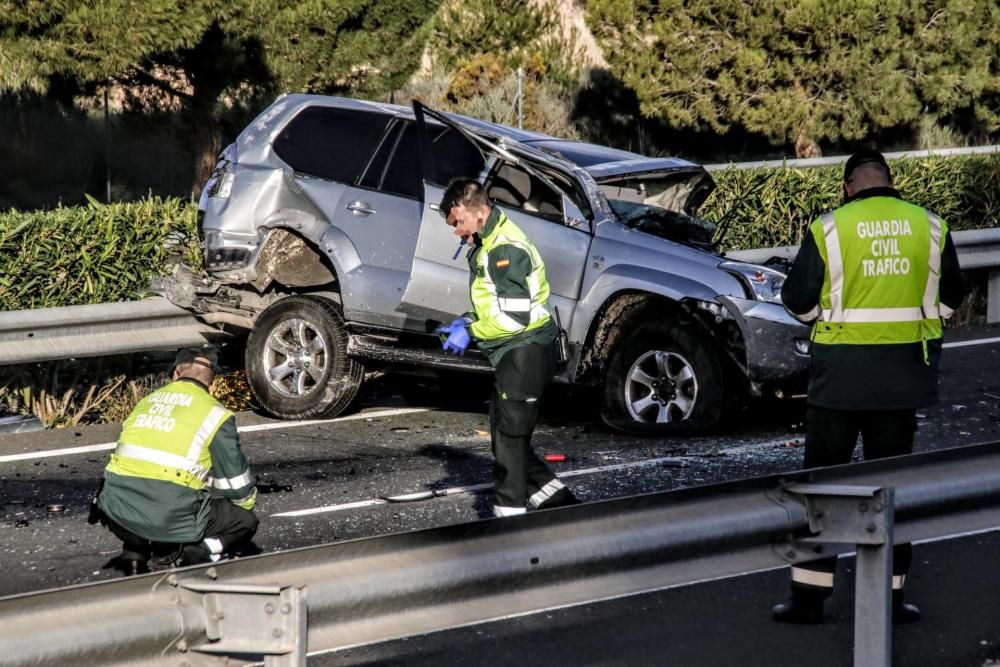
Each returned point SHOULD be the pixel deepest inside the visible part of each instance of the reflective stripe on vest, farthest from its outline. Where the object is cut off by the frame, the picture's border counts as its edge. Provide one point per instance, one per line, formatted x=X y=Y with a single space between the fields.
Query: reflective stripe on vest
x=160 y=458
x=835 y=266
x=237 y=482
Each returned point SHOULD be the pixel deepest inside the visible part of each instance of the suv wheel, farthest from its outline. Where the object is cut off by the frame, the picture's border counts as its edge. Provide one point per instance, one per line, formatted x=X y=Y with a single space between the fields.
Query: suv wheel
x=296 y=359
x=664 y=380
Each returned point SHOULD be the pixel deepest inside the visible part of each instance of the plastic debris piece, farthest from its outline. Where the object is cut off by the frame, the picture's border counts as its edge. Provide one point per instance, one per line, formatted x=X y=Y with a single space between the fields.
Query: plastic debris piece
x=555 y=458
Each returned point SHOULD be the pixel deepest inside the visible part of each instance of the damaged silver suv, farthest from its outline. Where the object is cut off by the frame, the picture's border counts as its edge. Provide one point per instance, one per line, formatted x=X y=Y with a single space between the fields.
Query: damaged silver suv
x=323 y=239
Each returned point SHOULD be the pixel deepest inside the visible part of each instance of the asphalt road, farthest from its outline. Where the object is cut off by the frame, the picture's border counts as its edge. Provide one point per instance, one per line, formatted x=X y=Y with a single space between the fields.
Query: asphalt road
x=727 y=622
x=323 y=481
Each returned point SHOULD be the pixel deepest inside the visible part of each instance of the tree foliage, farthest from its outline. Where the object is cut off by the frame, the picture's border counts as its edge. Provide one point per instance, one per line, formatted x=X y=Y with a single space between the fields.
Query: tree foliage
x=210 y=59
x=805 y=71
x=515 y=32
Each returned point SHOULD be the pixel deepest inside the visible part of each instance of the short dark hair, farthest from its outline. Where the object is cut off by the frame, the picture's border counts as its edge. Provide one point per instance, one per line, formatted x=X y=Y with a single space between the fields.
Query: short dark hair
x=866 y=156
x=466 y=192
x=207 y=357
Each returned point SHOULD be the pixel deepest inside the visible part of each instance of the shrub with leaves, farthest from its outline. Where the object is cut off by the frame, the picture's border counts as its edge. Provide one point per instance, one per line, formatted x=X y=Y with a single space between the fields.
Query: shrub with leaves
x=92 y=254
x=773 y=207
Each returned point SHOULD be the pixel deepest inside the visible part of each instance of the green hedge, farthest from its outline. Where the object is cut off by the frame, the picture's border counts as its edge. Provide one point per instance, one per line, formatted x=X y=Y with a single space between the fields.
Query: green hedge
x=91 y=254
x=964 y=190
x=102 y=253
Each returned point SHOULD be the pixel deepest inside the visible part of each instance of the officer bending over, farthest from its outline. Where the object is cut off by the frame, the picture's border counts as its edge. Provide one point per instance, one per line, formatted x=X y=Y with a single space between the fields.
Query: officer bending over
x=178 y=475
x=513 y=326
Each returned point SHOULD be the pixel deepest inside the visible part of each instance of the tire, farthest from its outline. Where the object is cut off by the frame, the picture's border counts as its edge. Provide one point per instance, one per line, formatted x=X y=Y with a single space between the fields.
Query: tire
x=296 y=359
x=666 y=379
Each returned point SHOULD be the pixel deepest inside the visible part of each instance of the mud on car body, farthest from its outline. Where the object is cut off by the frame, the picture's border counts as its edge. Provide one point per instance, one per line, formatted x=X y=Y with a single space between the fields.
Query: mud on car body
x=323 y=239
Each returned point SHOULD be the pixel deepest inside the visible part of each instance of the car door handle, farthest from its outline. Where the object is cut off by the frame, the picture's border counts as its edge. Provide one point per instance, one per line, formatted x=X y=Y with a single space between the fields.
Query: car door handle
x=361 y=207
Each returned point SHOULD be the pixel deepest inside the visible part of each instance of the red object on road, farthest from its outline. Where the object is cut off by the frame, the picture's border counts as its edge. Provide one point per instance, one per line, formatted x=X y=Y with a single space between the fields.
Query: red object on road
x=555 y=458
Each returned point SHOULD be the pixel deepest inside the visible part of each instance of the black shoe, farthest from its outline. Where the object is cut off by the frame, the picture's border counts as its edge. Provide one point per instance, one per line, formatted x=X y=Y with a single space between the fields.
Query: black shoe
x=561 y=498
x=194 y=554
x=802 y=610
x=132 y=566
x=902 y=612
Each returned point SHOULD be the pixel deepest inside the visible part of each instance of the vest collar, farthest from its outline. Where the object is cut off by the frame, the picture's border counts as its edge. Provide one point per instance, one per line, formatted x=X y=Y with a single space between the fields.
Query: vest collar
x=874 y=192
x=492 y=222
x=194 y=382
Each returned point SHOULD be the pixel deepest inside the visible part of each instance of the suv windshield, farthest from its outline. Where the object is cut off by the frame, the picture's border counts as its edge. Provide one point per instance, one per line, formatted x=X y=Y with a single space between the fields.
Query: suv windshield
x=657 y=206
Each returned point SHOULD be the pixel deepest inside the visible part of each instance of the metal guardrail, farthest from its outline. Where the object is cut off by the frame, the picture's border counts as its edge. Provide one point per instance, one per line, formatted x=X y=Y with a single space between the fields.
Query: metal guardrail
x=71 y=332
x=977 y=249
x=384 y=588
x=49 y=334
x=840 y=159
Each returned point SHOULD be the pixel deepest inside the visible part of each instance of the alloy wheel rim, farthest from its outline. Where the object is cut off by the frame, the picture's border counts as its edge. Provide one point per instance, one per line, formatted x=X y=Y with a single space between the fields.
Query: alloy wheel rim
x=296 y=357
x=661 y=388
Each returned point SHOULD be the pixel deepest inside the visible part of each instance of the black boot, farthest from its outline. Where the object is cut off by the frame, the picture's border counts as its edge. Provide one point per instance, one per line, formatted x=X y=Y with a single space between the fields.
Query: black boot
x=803 y=608
x=902 y=612
x=195 y=554
x=561 y=498
x=132 y=563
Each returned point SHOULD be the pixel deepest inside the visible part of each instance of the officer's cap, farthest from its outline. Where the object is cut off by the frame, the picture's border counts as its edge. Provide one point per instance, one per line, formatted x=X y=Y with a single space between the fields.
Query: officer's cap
x=200 y=356
x=865 y=156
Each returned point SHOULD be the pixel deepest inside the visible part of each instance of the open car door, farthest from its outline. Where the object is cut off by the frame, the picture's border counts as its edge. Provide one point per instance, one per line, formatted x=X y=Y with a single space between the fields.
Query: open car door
x=438 y=290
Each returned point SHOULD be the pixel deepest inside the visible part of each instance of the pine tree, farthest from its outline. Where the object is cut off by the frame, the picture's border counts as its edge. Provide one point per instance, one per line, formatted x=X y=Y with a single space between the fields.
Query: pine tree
x=804 y=71
x=209 y=58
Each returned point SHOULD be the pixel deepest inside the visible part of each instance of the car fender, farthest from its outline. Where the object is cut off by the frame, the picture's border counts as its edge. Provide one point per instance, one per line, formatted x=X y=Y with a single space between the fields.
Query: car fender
x=303 y=223
x=326 y=240
x=629 y=278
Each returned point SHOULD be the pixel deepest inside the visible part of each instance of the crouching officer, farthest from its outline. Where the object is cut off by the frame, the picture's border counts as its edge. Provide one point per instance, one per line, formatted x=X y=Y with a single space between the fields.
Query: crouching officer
x=512 y=325
x=178 y=475
x=877 y=276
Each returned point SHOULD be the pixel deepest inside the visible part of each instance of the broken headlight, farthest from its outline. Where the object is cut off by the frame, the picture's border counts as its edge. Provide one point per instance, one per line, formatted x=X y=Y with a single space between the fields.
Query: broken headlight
x=761 y=283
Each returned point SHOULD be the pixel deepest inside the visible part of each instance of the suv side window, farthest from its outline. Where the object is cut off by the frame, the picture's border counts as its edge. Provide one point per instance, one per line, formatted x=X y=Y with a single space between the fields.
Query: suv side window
x=453 y=153
x=402 y=174
x=331 y=143
x=455 y=156
x=515 y=187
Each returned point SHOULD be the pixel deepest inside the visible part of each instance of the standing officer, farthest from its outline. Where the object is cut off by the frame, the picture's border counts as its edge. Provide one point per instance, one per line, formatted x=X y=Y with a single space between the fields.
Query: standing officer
x=512 y=325
x=176 y=447
x=877 y=276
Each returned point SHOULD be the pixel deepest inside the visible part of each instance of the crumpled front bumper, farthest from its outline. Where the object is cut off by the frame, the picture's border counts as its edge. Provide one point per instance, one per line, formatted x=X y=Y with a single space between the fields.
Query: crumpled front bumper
x=777 y=345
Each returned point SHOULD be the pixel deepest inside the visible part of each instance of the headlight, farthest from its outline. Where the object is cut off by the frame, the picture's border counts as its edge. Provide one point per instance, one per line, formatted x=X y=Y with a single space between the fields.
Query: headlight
x=765 y=284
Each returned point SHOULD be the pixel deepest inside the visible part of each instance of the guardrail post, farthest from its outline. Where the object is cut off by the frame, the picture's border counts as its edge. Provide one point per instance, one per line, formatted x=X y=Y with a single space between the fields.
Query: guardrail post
x=873 y=591
x=993 y=297
x=250 y=620
x=861 y=515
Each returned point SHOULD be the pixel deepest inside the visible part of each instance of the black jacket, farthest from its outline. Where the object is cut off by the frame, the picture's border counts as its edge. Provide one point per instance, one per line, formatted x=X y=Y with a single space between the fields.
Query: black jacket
x=869 y=377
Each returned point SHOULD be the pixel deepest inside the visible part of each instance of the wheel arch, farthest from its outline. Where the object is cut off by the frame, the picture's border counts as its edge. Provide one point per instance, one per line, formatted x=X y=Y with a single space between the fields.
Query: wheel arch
x=617 y=316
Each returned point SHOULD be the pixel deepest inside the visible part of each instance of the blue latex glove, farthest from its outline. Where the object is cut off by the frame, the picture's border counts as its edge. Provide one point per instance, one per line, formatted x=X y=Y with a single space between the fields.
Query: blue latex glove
x=458 y=336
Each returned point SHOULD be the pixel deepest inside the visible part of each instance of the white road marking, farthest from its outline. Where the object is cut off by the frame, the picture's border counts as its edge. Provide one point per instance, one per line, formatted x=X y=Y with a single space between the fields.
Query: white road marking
x=476 y=488
x=107 y=446
x=966 y=343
